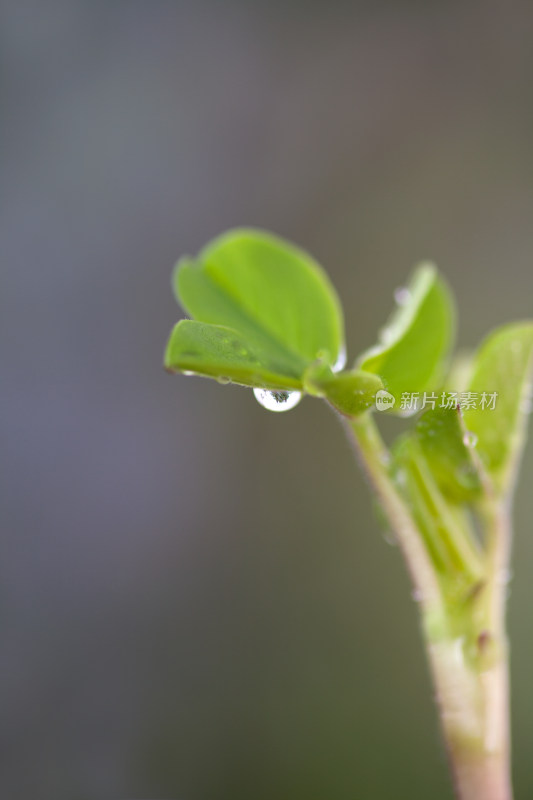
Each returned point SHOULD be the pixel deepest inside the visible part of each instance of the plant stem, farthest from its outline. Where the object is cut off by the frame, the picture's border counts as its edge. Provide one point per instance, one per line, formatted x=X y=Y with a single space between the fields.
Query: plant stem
x=374 y=458
x=468 y=654
x=473 y=708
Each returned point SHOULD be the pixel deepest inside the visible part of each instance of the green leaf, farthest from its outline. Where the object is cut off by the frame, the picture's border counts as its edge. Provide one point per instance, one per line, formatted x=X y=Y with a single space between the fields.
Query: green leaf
x=351 y=392
x=414 y=345
x=443 y=439
x=274 y=296
x=219 y=352
x=503 y=365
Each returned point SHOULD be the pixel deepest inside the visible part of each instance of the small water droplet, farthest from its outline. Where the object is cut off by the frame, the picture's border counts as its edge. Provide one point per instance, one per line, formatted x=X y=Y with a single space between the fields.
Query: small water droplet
x=458 y=653
x=402 y=295
x=526 y=403
x=223 y=379
x=400 y=478
x=188 y=372
x=470 y=439
x=505 y=576
x=340 y=363
x=390 y=538
x=280 y=400
x=386 y=336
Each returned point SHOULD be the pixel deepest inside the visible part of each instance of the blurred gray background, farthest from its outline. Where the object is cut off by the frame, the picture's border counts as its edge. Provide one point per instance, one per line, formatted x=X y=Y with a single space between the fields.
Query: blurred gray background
x=196 y=599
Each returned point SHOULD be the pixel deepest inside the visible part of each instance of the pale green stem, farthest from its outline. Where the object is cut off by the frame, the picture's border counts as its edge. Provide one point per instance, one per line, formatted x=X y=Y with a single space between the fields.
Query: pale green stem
x=471 y=687
x=374 y=458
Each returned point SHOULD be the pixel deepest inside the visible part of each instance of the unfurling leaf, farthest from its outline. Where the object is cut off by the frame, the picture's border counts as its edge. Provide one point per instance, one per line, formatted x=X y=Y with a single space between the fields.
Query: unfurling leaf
x=501 y=381
x=445 y=443
x=415 y=343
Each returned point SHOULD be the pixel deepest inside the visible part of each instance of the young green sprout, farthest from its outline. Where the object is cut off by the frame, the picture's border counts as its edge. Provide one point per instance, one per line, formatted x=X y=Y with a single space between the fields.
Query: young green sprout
x=265 y=315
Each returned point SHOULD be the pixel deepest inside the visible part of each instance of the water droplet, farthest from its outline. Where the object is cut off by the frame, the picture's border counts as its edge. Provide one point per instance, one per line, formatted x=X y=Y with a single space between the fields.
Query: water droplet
x=280 y=400
x=505 y=576
x=526 y=403
x=400 y=478
x=188 y=372
x=390 y=538
x=386 y=336
x=470 y=439
x=458 y=653
x=223 y=379
x=402 y=295
x=340 y=363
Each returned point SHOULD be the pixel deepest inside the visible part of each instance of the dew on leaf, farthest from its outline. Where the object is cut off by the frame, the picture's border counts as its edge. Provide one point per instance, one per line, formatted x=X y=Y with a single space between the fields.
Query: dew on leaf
x=340 y=363
x=281 y=400
x=504 y=577
x=458 y=649
x=386 y=336
x=402 y=295
x=470 y=439
x=526 y=403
